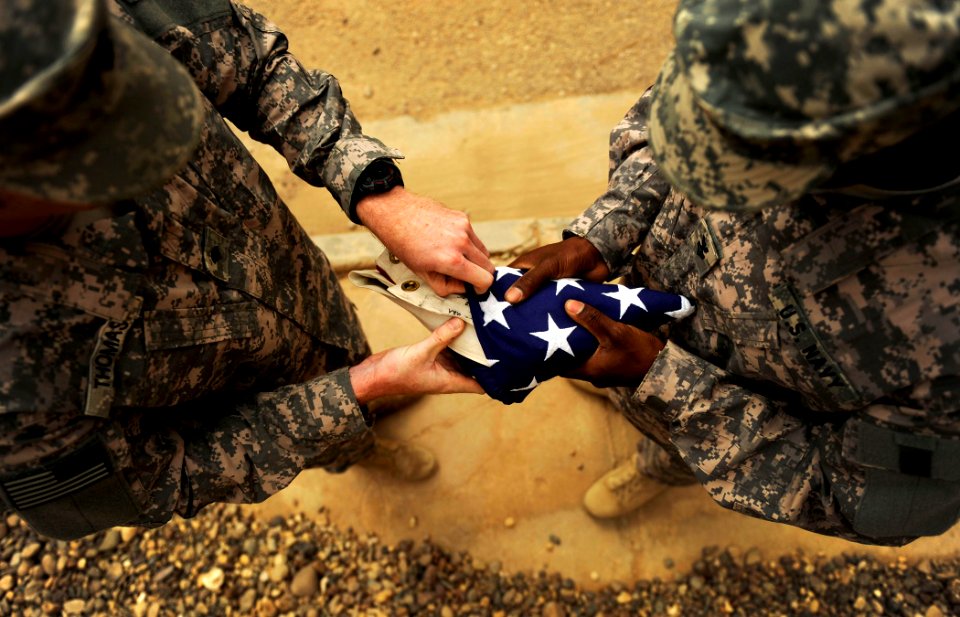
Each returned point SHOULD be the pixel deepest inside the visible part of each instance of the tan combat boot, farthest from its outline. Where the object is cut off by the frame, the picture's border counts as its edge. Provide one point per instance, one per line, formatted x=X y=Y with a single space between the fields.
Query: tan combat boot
x=403 y=460
x=621 y=491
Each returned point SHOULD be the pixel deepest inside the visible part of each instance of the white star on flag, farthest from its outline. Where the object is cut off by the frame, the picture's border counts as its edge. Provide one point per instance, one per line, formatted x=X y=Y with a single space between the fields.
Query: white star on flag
x=627 y=298
x=533 y=384
x=504 y=270
x=493 y=311
x=555 y=337
x=685 y=309
x=562 y=283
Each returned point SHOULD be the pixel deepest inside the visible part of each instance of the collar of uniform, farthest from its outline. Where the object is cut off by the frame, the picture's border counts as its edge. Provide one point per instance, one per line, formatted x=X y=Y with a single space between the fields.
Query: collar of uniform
x=109 y=234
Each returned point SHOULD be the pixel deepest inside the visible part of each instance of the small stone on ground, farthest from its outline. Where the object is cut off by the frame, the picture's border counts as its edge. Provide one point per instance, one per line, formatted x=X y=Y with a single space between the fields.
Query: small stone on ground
x=226 y=562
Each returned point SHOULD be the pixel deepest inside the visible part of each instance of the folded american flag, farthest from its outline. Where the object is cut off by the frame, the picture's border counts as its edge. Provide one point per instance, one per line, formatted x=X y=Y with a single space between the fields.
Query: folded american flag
x=531 y=342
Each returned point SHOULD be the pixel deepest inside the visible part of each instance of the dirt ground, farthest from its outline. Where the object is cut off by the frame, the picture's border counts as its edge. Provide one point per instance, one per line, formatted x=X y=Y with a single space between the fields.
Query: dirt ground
x=422 y=58
x=503 y=110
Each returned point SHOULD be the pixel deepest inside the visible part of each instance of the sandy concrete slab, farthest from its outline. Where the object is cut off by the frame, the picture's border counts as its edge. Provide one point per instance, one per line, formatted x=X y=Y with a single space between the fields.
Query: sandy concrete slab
x=531 y=463
x=546 y=159
x=504 y=238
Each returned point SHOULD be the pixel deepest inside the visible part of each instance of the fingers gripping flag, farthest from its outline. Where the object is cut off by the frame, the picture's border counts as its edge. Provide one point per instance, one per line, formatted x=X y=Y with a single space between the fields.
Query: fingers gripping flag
x=528 y=343
x=511 y=349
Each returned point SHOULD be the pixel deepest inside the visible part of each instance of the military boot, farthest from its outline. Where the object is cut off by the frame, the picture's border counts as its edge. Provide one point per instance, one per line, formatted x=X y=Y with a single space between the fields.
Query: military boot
x=621 y=491
x=403 y=460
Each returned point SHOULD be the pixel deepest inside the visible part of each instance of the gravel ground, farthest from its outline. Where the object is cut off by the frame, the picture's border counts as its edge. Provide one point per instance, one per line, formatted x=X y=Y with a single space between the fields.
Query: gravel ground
x=224 y=562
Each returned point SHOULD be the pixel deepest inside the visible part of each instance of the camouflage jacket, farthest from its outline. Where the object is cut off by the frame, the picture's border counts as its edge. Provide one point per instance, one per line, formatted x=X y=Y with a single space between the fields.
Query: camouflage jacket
x=196 y=332
x=817 y=383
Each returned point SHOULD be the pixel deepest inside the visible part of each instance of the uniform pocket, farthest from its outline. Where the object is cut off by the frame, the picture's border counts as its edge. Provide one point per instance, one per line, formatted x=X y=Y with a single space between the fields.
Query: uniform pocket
x=751 y=337
x=173 y=328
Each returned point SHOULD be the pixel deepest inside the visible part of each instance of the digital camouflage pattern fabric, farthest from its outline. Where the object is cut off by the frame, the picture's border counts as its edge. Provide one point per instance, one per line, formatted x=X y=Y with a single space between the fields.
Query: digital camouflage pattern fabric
x=527 y=344
x=195 y=331
x=817 y=383
x=49 y=101
x=760 y=100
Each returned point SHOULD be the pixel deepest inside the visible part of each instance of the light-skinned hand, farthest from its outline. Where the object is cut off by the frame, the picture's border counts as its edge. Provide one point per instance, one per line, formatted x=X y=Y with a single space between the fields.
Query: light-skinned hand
x=420 y=368
x=436 y=242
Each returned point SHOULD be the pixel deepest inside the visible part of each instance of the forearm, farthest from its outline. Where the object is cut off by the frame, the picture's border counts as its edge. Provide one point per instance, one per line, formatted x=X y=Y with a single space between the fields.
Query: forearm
x=241 y=62
x=217 y=449
x=758 y=456
x=257 y=446
x=620 y=218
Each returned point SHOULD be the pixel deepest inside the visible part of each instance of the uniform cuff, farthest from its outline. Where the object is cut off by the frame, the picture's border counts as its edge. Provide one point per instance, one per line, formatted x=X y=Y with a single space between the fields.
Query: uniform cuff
x=676 y=383
x=337 y=414
x=349 y=158
x=611 y=229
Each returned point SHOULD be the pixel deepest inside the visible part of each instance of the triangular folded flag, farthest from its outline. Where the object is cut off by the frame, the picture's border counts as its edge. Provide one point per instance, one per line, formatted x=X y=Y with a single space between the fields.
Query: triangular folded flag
x=528 y=343
x=512 y=348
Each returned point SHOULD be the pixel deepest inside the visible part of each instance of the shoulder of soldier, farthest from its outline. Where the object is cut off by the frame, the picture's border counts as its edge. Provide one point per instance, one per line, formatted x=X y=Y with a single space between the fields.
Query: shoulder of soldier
x=154 y=17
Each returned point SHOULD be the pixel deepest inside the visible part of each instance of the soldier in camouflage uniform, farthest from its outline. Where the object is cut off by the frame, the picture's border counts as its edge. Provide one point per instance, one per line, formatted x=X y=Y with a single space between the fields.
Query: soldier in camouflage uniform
x=785 y=172
x=169 y=335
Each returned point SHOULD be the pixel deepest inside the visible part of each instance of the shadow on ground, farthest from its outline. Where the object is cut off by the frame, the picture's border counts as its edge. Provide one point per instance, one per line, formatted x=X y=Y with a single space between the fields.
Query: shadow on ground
x=511 y=478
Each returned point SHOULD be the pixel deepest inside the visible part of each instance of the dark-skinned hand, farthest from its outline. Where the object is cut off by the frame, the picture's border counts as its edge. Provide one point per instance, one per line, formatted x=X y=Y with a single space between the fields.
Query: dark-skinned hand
x=574 y=257
x=625 y=353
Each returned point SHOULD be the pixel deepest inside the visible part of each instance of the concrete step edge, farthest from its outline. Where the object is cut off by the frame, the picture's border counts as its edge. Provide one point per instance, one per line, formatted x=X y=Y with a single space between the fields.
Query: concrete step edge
x=505 y=239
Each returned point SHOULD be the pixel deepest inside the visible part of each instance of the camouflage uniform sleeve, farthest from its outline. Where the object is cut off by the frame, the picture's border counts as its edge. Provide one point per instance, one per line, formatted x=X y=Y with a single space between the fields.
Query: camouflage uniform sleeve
x=178 y=460
x=618 y=220
x=260 y=448
x=241 y=62
x=756 y=455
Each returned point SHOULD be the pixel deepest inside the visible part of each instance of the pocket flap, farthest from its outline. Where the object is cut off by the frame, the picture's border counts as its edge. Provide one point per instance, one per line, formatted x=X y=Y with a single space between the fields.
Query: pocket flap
x=169 y=329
